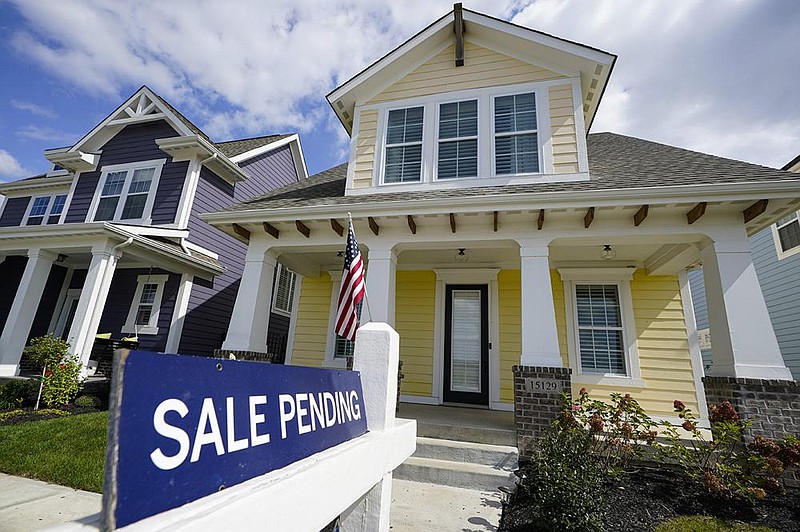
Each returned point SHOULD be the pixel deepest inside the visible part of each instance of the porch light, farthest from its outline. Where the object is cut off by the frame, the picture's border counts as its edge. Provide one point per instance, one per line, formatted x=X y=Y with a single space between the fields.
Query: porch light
x=461 y=256
x=61 y=258
x=608 y=253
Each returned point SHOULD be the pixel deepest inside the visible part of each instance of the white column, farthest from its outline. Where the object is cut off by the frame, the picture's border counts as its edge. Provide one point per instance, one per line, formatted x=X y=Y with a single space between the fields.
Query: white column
x=380 y=281
x=539 y=332
x=179 y=314
x=23 y=310
x=250 y=319
x=92 y=302
x=744 y=343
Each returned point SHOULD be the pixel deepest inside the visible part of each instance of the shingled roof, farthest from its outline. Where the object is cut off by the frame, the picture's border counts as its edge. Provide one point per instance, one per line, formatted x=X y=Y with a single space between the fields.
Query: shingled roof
x=232 y=148
x=616 y=162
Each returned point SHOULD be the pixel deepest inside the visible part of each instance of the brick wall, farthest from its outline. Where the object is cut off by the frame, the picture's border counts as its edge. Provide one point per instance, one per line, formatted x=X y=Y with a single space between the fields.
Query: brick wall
x=536 y=406
x=254 y=356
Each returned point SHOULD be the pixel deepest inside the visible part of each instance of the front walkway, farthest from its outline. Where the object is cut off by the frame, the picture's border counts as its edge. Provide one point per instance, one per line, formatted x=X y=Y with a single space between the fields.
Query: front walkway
x=27 y=505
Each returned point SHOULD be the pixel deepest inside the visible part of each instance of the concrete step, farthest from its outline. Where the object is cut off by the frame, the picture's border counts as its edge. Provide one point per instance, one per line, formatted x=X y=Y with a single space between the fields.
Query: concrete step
x=457 y=474
x=497 y=456
x=466 y=433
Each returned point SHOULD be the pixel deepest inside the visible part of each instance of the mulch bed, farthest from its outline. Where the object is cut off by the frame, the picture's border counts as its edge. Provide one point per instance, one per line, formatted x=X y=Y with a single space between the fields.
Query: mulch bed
x=644 y=498
x=31 y=415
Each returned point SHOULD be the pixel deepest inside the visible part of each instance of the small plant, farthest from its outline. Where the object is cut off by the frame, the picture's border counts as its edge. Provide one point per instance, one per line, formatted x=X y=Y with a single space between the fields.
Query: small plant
x=61 y=379
x=16 y=393
x=617 y=429
x=11 y=414
x=89 y=402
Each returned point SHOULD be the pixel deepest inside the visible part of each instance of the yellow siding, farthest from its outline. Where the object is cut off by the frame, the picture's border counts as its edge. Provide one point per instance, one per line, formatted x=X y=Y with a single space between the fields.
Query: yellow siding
x=364 y=163
x=415 y=307
x=562 y=125
x=664 y=357
x=311 y=331
x=482 y=68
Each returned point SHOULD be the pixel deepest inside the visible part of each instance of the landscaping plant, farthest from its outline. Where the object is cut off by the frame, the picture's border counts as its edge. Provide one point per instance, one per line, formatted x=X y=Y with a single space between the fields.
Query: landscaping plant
x=16 y=393
x=61 y=374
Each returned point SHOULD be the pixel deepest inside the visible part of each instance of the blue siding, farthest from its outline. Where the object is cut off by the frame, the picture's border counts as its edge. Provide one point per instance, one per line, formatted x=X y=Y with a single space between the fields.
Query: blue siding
x=780 y=282
x=267 y=171
x=47 y=305
x=11 y=271
x=132 y=144
x=14 y=211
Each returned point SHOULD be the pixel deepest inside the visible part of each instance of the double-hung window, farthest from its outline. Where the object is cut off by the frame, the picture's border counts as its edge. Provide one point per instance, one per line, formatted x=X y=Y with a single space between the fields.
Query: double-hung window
x=343 y=347
x=46 y=209
x=788 y=232
x=458 y=140
x=126 y=192
x=146 y=305
x=404 y=145
x=284 y=291
x=516 y=141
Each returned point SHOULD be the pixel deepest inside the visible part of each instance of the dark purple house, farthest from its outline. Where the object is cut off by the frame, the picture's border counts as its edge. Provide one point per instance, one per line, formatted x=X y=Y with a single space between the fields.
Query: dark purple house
x=109 y=243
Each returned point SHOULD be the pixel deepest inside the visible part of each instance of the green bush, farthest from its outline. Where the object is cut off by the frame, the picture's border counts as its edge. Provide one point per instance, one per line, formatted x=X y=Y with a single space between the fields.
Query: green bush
x=11 y=414
x=17 y=393
x=564 y=482
x=88 y=401
x=61 y=379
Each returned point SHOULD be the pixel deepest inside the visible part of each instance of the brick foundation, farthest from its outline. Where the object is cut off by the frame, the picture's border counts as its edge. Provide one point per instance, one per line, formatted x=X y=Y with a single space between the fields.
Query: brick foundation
x=535 y=410
x=253 y=356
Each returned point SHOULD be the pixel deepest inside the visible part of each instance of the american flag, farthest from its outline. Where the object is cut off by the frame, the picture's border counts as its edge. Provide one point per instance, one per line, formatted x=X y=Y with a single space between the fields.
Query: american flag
x=351 y=291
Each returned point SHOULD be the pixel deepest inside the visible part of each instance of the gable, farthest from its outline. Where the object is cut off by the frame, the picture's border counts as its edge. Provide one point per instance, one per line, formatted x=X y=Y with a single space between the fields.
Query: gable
x=482 y=68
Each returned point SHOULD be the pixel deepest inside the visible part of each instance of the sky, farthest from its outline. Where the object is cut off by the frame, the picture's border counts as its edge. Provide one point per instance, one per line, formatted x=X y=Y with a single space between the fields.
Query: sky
x=717 y=76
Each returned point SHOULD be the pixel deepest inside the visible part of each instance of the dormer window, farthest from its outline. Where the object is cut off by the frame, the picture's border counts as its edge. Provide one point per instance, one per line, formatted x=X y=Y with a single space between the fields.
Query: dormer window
x=458 y=140
x=516 y=145
x=404 y=145
x=45 y=210
x=126 y=192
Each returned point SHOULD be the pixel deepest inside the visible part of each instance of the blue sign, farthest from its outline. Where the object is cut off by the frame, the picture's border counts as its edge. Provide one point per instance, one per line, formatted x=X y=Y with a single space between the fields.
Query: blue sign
x=184 y=427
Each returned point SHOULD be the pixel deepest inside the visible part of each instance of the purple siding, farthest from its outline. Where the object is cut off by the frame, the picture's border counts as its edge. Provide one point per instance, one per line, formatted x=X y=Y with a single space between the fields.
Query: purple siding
x=47 y=305
x=132 y=144
x=120 y=297
x=14 y=211
x=11 y=271
x=267 y=171
x=78 y=278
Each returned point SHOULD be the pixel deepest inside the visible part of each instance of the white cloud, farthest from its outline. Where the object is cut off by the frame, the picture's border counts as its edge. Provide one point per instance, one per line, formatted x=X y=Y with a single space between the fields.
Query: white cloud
x=45 y=133
x=10 y=167
x=33 y=108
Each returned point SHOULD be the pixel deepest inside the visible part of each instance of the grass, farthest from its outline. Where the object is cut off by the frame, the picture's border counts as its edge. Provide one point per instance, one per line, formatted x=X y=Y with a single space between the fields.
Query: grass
x=699 y=523
x=69 y=451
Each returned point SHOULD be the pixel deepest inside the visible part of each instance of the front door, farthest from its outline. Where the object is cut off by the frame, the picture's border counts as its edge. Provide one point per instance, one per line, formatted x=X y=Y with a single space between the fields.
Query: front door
x=466 y=345
x=67 y=313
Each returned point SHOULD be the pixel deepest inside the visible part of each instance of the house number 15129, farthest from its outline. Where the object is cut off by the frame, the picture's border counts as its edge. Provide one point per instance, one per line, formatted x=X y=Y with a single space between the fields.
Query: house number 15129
x=542 y=385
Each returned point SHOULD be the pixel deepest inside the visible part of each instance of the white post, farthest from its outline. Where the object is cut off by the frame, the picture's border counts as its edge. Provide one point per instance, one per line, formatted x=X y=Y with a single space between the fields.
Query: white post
x=179 y=314
x=539 y=332
x=377 y=354
x=744 y=343
x=91 y=303
x=380 y=283
x=23 y=310
x=250 y=319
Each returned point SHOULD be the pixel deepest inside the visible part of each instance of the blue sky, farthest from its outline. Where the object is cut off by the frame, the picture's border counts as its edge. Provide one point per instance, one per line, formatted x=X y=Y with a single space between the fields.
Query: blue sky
x=718 y=76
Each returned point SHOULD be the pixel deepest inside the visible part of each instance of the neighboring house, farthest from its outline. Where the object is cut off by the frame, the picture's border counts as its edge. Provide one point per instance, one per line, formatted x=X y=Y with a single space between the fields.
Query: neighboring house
x=776 y=257
x=110 y=239
x=497 y=233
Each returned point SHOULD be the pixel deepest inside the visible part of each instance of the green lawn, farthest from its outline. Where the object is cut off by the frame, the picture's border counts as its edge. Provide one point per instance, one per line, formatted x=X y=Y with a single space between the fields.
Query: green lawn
x=69 y=451
x=697 y=523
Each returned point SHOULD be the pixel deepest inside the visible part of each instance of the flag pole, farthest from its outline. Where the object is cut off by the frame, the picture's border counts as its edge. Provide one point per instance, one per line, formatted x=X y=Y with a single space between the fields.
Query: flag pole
x=366 y=299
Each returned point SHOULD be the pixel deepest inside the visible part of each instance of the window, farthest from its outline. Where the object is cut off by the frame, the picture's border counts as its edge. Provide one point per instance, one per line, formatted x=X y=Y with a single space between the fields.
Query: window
x=458 y=140
x=43 y=209
x=404 y=145
x=344 y=347
x=126 y=192
x=788 y=232
x=146 y=305
x=599 y=322
x=516 y=146
x=284 y=291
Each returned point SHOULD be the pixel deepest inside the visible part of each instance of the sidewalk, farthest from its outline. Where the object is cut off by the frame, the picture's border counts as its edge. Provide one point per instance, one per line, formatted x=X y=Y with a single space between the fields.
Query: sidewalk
x=27 y=505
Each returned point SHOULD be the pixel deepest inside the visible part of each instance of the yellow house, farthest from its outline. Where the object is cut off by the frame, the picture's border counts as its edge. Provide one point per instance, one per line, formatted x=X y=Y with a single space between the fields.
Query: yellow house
x=499 y=234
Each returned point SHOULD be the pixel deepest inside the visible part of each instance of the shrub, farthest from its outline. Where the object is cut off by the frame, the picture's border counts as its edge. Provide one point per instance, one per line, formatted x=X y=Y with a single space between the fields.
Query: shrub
x=61 y=379
x=17 y=393
x=88 y=401
x=11 y=414
x=564 y=482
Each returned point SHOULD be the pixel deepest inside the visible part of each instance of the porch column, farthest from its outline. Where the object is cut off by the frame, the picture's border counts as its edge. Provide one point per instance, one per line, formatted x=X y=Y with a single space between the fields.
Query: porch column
x=250 y=319
x=179 y=313
x=744 y=343
x=23 y=310
x=539 y=332
x=380 y=282
x=92 y=302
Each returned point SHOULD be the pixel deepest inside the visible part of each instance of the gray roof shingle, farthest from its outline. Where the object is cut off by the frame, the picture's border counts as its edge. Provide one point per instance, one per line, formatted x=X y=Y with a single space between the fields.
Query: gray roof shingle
x=616 y=162
x=232 y=148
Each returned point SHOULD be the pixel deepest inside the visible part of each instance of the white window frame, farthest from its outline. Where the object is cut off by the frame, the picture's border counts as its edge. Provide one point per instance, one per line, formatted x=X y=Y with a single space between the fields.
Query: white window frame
x=537 y=96
x=130 y=326
x=781 y=254
x=129 y=168
x=293 y=287
x=621 y=278
x=330 y=345
x=486 y=164
x=422 y=142
x=437 y=141
x=51 y=198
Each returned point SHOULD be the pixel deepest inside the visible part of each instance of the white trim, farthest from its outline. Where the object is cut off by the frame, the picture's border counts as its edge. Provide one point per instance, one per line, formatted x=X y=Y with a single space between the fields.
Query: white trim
x=570 y=277
x=188 y=193
x=437 y=140
x=51 y=199
x=130 y=168
x=276 y=287
x=179 y=314
x=419 y=400
x=499 y=405
x=200 y=249
x=71 y=295
x=41 y=183
x=328 y=361
x=779 y=252
x=152 y=326
x=293 y=321
x=62 y=295
x=580 y=125
x=694 y=343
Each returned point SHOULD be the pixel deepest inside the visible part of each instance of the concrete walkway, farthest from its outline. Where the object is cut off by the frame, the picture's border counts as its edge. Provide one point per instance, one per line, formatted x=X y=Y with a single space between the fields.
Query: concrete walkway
x=27 y=505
